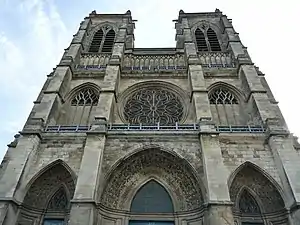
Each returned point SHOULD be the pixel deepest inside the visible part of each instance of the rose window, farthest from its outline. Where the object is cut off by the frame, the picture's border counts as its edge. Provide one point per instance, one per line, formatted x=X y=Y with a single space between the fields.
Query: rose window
x=152 y=106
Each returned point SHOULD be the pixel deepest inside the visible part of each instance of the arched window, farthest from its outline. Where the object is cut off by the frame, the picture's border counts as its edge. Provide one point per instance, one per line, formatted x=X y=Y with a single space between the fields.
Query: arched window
x=213 y=41
x=225 y=107
x=78 y=110
x=152 y=198
x=108 y=42
x=207 y=40
x=103 y=41
x=200 y=39
x=96 y=42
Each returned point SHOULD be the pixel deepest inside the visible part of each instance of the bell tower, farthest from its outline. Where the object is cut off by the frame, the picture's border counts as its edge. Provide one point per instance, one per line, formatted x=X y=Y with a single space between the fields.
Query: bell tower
x=163 y=136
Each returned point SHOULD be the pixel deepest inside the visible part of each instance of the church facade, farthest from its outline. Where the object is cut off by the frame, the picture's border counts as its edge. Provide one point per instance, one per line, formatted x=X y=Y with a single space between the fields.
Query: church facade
x=119 y=135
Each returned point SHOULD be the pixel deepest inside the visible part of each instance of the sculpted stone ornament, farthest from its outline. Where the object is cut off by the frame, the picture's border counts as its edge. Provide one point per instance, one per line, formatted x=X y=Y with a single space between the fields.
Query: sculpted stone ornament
x=153 y=163
x=152 y=106
x=248 y=204
x=42 y=188
x=261 y=186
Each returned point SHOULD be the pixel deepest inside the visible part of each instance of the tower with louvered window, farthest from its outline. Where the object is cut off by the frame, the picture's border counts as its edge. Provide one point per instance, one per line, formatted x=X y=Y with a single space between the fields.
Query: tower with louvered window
x=119 y=135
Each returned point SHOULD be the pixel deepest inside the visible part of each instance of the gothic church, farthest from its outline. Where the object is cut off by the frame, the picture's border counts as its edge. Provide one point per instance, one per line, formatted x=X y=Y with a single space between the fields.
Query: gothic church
x=119 y=135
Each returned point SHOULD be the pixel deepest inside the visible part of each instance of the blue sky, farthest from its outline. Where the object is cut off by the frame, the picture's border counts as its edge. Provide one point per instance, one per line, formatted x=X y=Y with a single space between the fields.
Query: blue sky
x=34 y=33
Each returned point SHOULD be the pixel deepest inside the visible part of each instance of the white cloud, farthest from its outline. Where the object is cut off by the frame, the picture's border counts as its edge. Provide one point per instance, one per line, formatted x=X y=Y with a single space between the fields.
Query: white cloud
x=27 y=59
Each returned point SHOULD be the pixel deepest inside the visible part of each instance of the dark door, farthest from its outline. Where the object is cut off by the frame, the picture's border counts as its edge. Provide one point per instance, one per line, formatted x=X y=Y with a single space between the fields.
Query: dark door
x=149 y=222
x=54 y=222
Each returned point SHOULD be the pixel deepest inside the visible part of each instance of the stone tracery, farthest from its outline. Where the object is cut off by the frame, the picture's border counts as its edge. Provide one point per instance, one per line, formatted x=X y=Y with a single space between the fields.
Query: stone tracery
x=267 y=193
x=153 y=163
x=40 y=191
x=248 y=204
x=153 y=105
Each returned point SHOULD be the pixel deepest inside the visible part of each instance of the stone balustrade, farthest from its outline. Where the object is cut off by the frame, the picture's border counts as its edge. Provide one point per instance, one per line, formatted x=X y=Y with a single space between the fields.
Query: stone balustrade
x=155 y=63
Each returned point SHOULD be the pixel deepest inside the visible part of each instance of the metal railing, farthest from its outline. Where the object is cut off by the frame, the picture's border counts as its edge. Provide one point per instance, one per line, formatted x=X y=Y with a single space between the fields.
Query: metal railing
x=157 y=127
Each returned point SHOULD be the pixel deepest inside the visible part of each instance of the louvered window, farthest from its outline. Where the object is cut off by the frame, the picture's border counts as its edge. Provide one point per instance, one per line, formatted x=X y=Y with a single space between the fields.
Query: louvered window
x=200 y=39
x=103 y=41
x=109 y=41
x=213 y=41
x=207 y=40
x=96 y=42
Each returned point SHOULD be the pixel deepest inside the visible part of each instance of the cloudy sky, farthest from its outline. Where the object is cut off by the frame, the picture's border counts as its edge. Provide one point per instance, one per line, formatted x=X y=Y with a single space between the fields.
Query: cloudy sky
x=34 y=33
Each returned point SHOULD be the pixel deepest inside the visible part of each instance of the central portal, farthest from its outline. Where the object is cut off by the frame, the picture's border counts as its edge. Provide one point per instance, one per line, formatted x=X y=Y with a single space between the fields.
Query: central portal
x=152 y=198
x=148 y=222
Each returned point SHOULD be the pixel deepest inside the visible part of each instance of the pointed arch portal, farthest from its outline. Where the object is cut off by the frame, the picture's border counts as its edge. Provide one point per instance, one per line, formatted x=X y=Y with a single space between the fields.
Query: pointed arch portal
x=125 y=184
x=48 y=196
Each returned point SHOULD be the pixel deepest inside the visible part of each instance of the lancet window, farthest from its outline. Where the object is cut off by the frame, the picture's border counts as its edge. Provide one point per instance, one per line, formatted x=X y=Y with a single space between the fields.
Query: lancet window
x=207 y=40
x=78 y=110
x=225 y=107
x=103 y=41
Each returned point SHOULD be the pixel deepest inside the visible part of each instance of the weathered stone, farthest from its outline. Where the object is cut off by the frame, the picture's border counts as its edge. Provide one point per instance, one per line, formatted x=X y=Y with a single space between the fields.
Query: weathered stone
x=203 y=124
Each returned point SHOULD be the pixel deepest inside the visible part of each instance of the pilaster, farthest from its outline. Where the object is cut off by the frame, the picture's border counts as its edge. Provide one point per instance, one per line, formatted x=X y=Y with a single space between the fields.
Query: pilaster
x=195 y=75
x=111 y=78
x=83 y=209
x=84 y=201
x=215 y=175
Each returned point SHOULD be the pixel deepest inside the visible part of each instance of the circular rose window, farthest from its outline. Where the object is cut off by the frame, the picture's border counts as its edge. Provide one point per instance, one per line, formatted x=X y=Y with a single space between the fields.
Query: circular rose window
x=153 y=105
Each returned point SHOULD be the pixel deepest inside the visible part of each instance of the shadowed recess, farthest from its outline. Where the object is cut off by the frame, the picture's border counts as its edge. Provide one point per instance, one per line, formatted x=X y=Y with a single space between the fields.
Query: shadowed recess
x=152 y=198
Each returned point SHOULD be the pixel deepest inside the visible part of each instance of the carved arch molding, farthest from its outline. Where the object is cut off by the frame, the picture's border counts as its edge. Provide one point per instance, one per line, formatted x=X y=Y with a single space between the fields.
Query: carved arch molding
x=263 y=188
x=52 y=183
x=173 y=171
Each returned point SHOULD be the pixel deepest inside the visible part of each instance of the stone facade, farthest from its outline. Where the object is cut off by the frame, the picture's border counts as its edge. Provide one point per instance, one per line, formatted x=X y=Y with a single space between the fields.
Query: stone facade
x=198 y=123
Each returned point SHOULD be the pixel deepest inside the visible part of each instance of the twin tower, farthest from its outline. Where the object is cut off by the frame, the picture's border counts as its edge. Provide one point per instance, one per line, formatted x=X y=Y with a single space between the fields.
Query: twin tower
x=119 y=135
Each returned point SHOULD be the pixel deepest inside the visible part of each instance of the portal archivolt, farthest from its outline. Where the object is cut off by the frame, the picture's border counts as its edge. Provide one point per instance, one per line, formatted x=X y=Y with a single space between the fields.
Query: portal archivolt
x=254 y=196
x=146 y=166
x=48 y=196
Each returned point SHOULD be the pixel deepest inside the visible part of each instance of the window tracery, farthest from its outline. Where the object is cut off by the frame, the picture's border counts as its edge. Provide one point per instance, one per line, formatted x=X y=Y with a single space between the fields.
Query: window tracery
x=153 y=105
x=222 y=96
x=85 y=97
